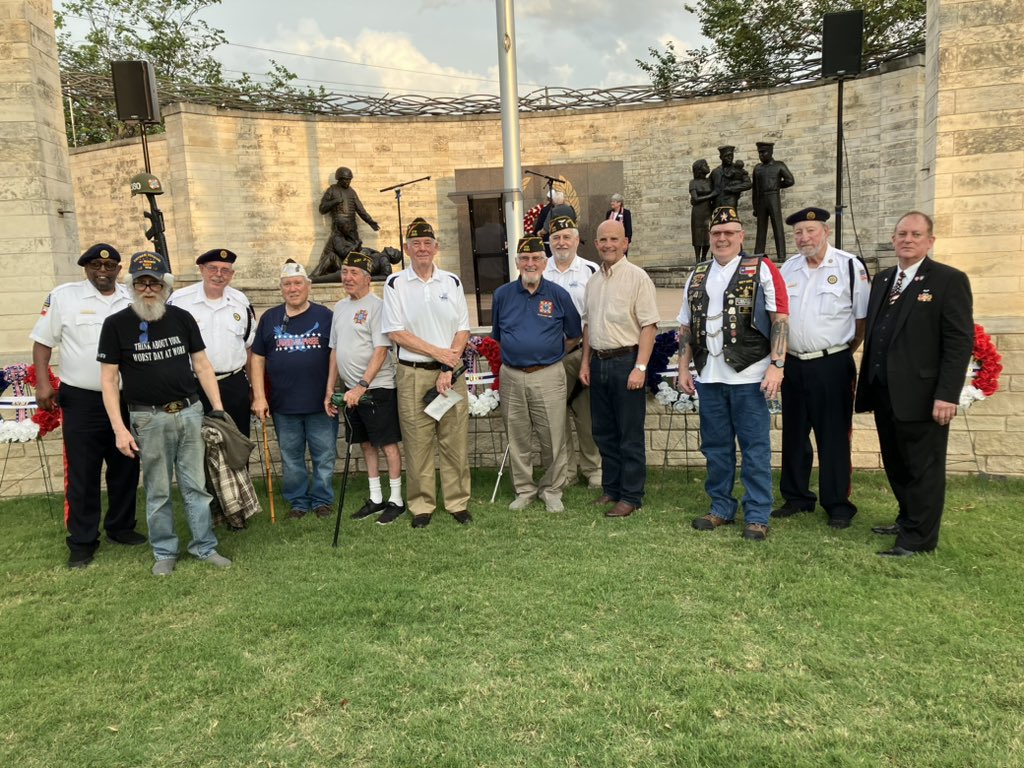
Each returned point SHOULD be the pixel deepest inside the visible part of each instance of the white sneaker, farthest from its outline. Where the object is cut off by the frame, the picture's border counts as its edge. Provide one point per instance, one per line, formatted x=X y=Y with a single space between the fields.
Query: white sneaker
x=521 y=502
x=217 y=561
x=554 y=505
x=164 y=567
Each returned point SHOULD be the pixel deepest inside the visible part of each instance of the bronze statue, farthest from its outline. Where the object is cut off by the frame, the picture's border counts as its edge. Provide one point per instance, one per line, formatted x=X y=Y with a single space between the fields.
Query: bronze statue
x=380 y=265
x=771 y=176
x=342 y=203
x=729 y=180
x=702 y=196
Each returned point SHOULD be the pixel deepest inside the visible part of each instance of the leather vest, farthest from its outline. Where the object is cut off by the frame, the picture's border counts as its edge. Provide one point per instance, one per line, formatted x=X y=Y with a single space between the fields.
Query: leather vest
x=746 y=324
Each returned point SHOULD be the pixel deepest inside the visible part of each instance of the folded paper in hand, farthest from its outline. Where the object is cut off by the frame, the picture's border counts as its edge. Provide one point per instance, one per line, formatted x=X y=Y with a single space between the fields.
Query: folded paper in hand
x=441 y=404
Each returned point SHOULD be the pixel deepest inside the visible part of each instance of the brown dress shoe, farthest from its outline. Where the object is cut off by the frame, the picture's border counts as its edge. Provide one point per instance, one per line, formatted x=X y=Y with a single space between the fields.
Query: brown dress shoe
x=621 y=509
x=603 y=499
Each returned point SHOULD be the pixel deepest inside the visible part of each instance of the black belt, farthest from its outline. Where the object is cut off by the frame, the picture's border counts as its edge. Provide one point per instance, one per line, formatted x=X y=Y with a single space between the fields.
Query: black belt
x=605 y=354
x=172 y=407
x=433 y=365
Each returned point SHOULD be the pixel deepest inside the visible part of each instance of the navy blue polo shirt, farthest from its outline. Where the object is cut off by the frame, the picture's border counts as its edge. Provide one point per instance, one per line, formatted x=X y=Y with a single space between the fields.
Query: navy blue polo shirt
x=532 y=328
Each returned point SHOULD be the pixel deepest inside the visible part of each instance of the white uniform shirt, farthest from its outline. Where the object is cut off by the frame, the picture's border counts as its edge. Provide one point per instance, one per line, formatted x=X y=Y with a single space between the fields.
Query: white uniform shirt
x=355 y=335
x=574 y=279
x=822 y=312
x=716 y=370
x=433 y=310
x=71 y=318
x=222 y=322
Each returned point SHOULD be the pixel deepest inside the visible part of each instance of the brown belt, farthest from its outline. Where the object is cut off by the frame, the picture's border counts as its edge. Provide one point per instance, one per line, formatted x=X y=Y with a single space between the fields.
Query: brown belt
x=529 y=368
x=433 y=365
x=172 y=407
x=605 y=354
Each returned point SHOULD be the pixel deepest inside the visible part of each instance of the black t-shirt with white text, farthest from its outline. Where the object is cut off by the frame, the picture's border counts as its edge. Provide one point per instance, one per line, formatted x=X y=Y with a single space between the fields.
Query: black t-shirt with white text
x=154 y=357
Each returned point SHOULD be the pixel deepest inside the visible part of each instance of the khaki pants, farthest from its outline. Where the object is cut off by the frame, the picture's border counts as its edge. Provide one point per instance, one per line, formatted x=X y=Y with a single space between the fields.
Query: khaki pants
x=579 y=414
x=534 y=403
x=423 y=438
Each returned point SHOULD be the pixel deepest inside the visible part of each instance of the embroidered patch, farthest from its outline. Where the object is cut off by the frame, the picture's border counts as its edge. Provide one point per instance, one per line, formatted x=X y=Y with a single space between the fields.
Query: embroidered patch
x=360 y=317
x=46 y=306
x=925 y=295
x=697 y=280
x=748 y=270
x=546 y=308
x=864 y=275
x=832 y=279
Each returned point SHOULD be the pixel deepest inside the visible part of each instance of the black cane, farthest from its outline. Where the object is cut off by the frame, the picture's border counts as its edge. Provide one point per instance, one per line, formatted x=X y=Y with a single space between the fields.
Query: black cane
x=344 y=475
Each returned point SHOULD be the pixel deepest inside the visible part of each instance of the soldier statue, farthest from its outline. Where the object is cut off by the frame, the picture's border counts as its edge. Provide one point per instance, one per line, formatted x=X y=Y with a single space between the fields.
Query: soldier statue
x=342 y=203
x=771 y=176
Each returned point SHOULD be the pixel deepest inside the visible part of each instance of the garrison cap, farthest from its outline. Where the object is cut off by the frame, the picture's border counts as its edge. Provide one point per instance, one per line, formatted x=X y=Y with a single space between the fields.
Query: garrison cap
x=807 y=214
x=360 y=259
x=419 y=228
x=561 y=222
x=725 y=215
x=532 y=244
x=217 y=254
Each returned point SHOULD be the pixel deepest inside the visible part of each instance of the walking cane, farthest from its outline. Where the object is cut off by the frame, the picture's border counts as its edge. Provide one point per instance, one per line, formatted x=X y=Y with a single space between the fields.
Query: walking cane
x=344 y=474
x=270 y=482
x=497 y=482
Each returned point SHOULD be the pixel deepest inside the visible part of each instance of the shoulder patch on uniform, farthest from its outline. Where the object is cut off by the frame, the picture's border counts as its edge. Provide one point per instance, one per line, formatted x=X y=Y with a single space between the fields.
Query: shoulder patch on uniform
x=46 y=304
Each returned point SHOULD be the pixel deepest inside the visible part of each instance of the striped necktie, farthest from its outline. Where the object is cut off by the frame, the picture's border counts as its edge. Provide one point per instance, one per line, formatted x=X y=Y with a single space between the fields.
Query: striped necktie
x=898 y=288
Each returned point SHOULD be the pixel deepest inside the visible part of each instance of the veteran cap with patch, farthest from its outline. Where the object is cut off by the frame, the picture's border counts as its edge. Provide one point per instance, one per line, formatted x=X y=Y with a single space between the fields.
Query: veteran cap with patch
x=559 y=223
x=531 y=244
x=725 y=215
x=807 y=214
x=292 y=268
x=99 y=251
x=359 y=259
x=419 y=228
x=147 y=263
x=217 y=254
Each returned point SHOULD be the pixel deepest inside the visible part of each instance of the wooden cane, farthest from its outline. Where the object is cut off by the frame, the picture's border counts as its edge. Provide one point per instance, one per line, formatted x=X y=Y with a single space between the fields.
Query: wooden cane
x=270 y=482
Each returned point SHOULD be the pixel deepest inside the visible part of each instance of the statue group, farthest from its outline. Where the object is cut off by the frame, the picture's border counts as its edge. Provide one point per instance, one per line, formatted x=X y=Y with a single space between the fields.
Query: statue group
x=724 y=185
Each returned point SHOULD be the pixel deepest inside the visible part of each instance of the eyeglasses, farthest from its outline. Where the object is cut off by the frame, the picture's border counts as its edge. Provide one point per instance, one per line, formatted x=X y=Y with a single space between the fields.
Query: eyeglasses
x=727 y=233
x=147 y=285
x=98 y=265
x=218 y=270
x=524 y=257
x=144 y=335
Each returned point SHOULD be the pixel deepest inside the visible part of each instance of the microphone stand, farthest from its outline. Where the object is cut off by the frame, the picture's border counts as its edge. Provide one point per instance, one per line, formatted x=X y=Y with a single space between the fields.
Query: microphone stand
x=398 y=202
x=551 y=181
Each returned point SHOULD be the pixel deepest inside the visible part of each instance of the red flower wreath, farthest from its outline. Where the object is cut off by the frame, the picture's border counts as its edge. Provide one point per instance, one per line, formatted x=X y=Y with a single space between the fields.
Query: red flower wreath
x=489 y=348
x=530 y=219
x=47 y=420
x=987 y=360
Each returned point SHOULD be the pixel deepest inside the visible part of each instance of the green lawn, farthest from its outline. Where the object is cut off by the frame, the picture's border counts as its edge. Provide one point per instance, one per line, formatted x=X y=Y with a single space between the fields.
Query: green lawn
x=525 y=639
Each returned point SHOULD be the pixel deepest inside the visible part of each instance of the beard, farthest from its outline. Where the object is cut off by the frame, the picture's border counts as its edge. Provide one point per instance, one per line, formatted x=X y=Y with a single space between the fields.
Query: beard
x=150 y=311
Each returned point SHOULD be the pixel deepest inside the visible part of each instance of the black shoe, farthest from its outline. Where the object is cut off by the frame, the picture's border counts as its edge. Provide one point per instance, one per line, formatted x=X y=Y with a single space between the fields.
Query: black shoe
x=463 y=517
x=77 y=561
x=420 y=521
x=391 y=513
x=368 y=509
x=886 y=530
x=128 y=538
x=789 y=509
x=839 y=523
x=898 y=552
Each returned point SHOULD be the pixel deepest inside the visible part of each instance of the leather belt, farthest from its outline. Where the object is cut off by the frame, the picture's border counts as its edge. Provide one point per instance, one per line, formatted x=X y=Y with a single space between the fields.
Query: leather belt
x=529 y=368
x=820 y=353
x=172 y=407
x=228 y=375
x=605 y=354
x=433 y=365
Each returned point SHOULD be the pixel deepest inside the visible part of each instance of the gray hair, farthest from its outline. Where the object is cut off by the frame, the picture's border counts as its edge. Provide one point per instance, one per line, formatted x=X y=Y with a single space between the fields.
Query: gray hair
x=618 y=198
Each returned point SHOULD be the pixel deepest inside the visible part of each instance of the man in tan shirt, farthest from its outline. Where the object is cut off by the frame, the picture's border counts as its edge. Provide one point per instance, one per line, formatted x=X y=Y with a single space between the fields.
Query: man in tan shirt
x=620 y=321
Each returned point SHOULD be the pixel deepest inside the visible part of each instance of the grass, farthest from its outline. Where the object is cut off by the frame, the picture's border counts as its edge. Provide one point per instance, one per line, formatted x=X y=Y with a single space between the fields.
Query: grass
x=526 y=639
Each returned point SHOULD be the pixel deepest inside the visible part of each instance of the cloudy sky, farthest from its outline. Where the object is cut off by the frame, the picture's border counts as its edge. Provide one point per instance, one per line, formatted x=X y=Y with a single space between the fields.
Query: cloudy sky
x=447 y=47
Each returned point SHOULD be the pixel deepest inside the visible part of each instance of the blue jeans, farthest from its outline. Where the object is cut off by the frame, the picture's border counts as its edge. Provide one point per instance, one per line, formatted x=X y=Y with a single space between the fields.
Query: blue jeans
x=320 y=433
x=172 y=443
x=618 y=417
x=731 y=412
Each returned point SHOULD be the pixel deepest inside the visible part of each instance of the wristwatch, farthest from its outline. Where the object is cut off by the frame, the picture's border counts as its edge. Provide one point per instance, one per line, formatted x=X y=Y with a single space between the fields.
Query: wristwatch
x=780 y=363
x=641 y=367
x=363 y=383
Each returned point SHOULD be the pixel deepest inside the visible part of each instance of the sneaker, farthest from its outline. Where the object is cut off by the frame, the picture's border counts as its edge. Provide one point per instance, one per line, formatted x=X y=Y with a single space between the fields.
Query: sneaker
x=789 y=509
x=369 y=508
x=463 y=517
x=76 y=561
x=420 y=521
x=755 y=532
x=391 y=513
x=297 y=514
x=554 y=505
x=217 y=561
x=322 y=511
x=164 y=567
x=522 y=502
x=709 y=522
x=128 y=538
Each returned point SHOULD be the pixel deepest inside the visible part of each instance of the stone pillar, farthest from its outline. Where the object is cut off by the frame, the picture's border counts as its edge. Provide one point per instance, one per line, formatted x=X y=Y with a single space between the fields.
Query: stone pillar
x=39 y=237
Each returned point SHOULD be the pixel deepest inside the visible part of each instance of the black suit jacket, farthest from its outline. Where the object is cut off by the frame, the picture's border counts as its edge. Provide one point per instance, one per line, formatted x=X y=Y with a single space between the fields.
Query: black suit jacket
x=626 y=218
x=932 y=340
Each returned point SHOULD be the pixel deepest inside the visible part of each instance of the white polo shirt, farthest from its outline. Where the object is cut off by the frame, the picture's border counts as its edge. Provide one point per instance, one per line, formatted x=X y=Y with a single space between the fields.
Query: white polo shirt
x=71 y=318
x=574 y=279
x=222 y=322
x=433 y=310
x=822 y=310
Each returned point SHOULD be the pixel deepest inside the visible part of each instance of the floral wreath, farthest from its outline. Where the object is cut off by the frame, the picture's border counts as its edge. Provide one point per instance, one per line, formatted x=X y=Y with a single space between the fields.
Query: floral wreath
x=982 y=371
x=487 y=400
x=22 y=380
x=530 y=219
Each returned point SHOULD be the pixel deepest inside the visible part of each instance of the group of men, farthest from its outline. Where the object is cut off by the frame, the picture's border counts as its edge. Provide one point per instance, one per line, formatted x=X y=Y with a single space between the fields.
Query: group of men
x=141 y=365
x=753 y=331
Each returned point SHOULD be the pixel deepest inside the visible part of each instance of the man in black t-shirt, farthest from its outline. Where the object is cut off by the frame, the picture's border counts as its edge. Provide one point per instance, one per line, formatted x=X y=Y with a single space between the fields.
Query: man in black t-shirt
x=157 y=353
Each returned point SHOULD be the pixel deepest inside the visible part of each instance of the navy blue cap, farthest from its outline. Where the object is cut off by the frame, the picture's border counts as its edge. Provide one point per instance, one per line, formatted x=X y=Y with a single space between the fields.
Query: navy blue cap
x=807 y=214
x=99 y=251
x=217 y=254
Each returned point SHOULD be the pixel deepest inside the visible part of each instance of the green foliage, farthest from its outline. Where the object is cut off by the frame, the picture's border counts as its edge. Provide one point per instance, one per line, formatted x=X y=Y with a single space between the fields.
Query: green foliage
x=524 y=639
x=767 y=42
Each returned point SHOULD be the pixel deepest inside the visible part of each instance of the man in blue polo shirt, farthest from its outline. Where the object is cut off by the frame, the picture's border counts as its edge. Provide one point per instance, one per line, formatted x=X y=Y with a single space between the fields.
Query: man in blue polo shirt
x=534 y=321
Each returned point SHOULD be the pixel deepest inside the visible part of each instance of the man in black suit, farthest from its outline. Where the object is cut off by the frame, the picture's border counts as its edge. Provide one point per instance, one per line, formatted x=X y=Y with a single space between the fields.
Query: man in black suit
x=920 y=334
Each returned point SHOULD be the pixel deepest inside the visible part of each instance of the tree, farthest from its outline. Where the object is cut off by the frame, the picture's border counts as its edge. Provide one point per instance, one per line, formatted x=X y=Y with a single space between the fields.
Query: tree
x=769 y=42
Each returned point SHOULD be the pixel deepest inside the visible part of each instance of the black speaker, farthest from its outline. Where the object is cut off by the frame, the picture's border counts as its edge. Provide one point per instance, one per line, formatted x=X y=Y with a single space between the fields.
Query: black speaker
x=841 y=42
x=135 y=91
